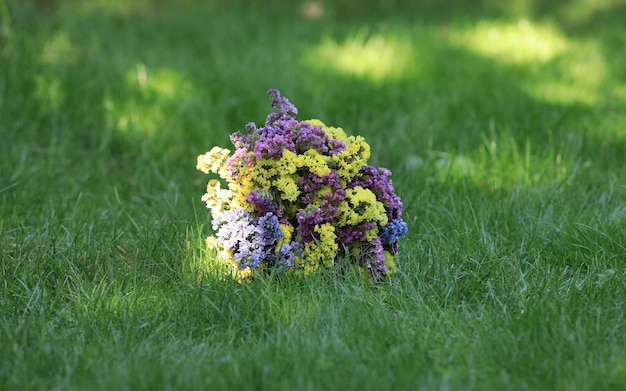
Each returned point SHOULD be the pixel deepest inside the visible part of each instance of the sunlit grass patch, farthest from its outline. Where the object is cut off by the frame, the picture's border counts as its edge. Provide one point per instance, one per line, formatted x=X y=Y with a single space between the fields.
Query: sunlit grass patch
x=577 y=77
x=59 y=49
x=560 y=69
x=522 y=42
x=374 y=56
x=203 y=263
x=147 y=107
x=500 y=163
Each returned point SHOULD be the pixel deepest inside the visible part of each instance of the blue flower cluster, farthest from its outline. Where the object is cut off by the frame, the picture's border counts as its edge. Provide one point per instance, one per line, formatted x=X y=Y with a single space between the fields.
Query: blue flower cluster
x=288 y=253
x=392 y=232
x=252 y=240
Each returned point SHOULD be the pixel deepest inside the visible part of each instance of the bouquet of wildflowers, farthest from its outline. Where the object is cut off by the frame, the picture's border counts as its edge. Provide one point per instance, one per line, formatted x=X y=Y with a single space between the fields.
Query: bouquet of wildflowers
x=300 y=196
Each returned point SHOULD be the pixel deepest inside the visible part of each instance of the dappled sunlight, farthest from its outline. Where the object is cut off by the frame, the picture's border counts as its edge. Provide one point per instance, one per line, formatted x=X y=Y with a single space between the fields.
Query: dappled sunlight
x=376 y=57
x=578 y=78
x=560 y=92
x=513 y=43
x=203 y=262
x=560 y=69
x=499 y=164
x=165 y=83
x=49 y=92
x=59 y=49
x=146 y=108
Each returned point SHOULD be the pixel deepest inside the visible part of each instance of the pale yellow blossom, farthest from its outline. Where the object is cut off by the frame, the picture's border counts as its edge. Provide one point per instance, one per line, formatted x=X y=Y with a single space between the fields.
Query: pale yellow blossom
x=214 y=161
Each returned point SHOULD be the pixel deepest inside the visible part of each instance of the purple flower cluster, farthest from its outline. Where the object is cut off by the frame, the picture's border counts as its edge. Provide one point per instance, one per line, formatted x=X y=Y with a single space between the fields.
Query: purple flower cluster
x=373 y=257
x=263 y=205
x=282 y=131
x=312 y=137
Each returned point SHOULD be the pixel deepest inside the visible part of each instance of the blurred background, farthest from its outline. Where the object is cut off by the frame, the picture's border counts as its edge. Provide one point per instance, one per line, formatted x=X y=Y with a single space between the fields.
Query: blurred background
x=498 y=93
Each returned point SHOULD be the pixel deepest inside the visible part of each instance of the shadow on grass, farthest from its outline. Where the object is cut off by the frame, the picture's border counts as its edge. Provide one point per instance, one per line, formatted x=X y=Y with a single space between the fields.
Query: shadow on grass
x=167 y=82
x=148 y=85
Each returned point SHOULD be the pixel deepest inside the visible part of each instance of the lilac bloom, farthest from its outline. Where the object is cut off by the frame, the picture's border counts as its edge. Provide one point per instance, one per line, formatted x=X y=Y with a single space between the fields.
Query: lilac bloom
x=286 y=257
x=373 y=257
x=286 y=108
x=250 y=240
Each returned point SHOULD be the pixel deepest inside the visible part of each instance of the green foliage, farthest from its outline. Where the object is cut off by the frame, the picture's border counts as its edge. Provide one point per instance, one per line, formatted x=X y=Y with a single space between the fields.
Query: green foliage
x=503 y=126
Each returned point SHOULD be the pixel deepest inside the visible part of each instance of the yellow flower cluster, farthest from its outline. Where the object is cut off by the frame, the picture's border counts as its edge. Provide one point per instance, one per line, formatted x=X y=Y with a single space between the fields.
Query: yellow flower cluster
x=319 y=253
x=214 y=161
x=314 y=161
x=272 y=174
x=347 y=162
x=244 y=184
x=216 y=198
x=361 y=205
x=281 y=173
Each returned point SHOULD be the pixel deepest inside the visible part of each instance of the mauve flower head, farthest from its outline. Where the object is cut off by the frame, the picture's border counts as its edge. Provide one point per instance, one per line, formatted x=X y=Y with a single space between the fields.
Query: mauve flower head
x=354 y=233
x=307 y=219
x=286 y=109
x=372 y=256
x=272 y=141
x=262 y=200
x=241 y=140
x=312 y=137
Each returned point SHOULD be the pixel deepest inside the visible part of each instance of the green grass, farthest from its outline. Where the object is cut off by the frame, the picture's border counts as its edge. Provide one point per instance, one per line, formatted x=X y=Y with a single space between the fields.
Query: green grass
x=504 y=126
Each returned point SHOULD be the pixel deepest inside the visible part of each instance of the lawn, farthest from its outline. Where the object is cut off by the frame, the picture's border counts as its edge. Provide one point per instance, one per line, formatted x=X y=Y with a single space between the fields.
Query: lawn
x=504 y=124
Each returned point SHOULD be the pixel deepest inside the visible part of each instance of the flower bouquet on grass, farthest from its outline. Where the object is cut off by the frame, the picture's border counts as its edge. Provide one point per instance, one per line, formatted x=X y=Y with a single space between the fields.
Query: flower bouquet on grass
x=300 y=197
